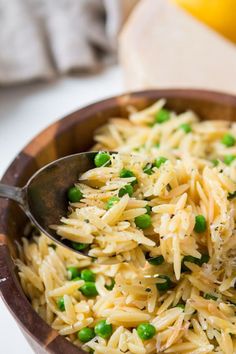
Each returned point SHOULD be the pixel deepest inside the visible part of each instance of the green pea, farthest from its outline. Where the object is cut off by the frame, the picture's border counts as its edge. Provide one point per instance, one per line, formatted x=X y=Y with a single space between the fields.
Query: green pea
x=146 y=331
x=231 y=195
x=102 y=159
x=76 y=278
x=149 y=209
x=215 y=162
x=162 y=116
x=143 y=221
x=85 y=334
x=111 y=285
x=156 y=260
x=159 y=161
x=112 y=201
x=189 y=259
x=228 y=159
x=127 y=189
x=228 y=140
x=61 y=303
x=185 y=127
x=73 y=272
x=204 y=259
x=88 y=275
x=199 y=261
x=89 y=289
x=157 y=145
x=148 y=169
x=181 y=306
x=103 y=329
x=79 y=246
x=210 y=297
x=166 y=285
x=200 y=224
x=74 y=194
x=124 y=173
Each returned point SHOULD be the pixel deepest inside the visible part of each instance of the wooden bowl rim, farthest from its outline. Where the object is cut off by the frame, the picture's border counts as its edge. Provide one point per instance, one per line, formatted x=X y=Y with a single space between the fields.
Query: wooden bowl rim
x=37 y=328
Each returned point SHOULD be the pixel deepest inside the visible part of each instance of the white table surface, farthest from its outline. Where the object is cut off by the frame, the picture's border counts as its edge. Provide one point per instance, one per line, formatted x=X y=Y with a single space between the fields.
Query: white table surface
x=24 y=112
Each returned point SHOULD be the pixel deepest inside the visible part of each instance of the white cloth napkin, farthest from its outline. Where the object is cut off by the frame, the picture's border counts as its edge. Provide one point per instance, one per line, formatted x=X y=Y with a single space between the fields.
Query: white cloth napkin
x=40 y=39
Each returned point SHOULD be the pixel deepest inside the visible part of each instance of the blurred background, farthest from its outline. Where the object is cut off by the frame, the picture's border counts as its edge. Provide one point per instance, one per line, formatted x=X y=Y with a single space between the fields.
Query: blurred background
x=58 y=55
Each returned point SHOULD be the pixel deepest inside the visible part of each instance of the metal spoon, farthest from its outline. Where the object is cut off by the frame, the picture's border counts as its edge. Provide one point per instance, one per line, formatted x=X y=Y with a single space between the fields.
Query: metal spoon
x=44 y=197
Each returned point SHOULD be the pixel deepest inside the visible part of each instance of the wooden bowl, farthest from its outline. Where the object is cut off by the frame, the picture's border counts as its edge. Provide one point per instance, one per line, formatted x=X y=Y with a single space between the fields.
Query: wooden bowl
x=72 y=134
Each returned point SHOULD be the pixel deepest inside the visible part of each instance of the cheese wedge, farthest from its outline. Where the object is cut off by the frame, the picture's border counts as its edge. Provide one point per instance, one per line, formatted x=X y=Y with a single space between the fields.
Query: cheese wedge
x=162 y=45
x=218 y=14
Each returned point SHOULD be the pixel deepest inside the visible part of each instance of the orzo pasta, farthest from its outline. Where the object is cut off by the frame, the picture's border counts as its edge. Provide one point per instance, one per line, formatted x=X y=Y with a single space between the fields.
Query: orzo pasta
x=158 y=220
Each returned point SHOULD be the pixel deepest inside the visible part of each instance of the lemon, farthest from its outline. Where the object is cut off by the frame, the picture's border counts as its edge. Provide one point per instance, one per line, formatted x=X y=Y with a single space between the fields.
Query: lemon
x=218 y=14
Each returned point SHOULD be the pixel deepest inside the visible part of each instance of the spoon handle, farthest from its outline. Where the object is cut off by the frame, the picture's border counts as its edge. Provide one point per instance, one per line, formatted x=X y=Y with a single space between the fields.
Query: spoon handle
x=14 y=193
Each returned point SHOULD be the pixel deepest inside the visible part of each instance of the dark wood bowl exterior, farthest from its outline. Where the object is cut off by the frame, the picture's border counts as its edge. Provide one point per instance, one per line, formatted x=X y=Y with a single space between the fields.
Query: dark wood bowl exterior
x=72 y=134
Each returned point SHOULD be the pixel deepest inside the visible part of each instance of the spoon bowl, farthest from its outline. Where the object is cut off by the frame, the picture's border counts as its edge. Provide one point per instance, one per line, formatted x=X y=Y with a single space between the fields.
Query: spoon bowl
x=44 y=197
